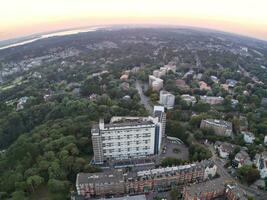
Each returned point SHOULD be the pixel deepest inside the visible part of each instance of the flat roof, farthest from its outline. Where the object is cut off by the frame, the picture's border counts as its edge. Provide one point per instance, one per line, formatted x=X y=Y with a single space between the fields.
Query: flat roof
x=100 y=177
x=137 y=197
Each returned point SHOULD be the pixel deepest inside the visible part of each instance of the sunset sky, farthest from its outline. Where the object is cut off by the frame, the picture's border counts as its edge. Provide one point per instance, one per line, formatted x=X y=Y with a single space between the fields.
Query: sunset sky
x=25 y=17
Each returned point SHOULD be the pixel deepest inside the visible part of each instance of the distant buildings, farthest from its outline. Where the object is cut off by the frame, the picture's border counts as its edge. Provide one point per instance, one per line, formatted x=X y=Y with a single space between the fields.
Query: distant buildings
x=125 y=86
x=214 y=79
x=158 y=73
x=231 y=83
x=169 y=67
x=220 y=127
x=116 y=182
x=203 y=86
x=225 y=87
x=181 y=85
x=124 y=77
x=155 y=83
x=265 y=140
x=211 y=100
x=126 y=137
x=248 y=137
x=261 y=163
x=189 y=99
x=166 y=99
x=21 y=102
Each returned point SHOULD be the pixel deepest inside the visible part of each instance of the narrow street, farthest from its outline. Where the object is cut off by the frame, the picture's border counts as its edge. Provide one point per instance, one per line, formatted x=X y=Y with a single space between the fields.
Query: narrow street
x=144 y=99
x=258 y=194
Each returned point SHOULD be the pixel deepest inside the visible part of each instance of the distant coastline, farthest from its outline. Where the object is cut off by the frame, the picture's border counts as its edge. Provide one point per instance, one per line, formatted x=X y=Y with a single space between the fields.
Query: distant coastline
x=27 y=40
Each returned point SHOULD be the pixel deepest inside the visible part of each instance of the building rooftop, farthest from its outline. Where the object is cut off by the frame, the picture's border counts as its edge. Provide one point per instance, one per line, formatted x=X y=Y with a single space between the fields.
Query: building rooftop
x=124 y=122
x=137 y=197
x=100 y=178
x=237 y=191
x=223 y=123
x=242 y=155
x=208 y=186
x=227 y=147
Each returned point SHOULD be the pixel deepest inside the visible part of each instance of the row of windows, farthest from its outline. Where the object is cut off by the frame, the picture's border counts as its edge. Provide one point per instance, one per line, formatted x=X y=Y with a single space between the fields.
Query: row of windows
x=126 y=143
x=128 y=149
x=126 y=136
x=127 y=130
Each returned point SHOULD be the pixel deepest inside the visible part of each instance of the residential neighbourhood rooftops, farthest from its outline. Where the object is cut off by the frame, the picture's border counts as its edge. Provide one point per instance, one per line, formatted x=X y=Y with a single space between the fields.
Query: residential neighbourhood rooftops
x=208 y=186
x=101 y=177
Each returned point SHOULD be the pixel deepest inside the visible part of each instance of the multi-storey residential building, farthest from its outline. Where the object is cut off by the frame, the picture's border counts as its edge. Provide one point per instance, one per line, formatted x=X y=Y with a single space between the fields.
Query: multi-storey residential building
x=166 y=99
x=100 y=184
x=203 y=86
x=115 y=182
x=126 y=137
x=220 y=127
x=213 y=189
x=155 y=83
x=159 y=73
x=159 y=112
x=212 y=100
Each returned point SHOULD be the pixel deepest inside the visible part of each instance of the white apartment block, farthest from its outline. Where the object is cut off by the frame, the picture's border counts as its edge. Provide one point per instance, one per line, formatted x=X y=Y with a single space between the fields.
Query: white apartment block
x=155 y=83
x=166 y=99
x=158 y=73
x=125 y=138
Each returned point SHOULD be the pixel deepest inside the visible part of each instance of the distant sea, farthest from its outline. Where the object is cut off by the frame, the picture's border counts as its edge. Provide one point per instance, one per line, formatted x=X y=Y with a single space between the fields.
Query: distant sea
x=53 y=34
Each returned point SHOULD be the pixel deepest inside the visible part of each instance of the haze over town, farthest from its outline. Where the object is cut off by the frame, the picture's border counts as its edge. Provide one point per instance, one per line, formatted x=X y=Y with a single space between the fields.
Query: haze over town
x=20 y=18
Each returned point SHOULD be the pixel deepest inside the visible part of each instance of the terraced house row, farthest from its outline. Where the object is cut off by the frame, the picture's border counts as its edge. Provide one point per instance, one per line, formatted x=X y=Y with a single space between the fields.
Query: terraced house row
x=118 y=182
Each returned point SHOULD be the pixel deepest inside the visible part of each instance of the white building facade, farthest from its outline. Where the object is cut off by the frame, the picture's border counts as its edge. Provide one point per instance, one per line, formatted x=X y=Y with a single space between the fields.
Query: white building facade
x=155 y=83
x=248 y=137
x=166 y=99
x=126 y=137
